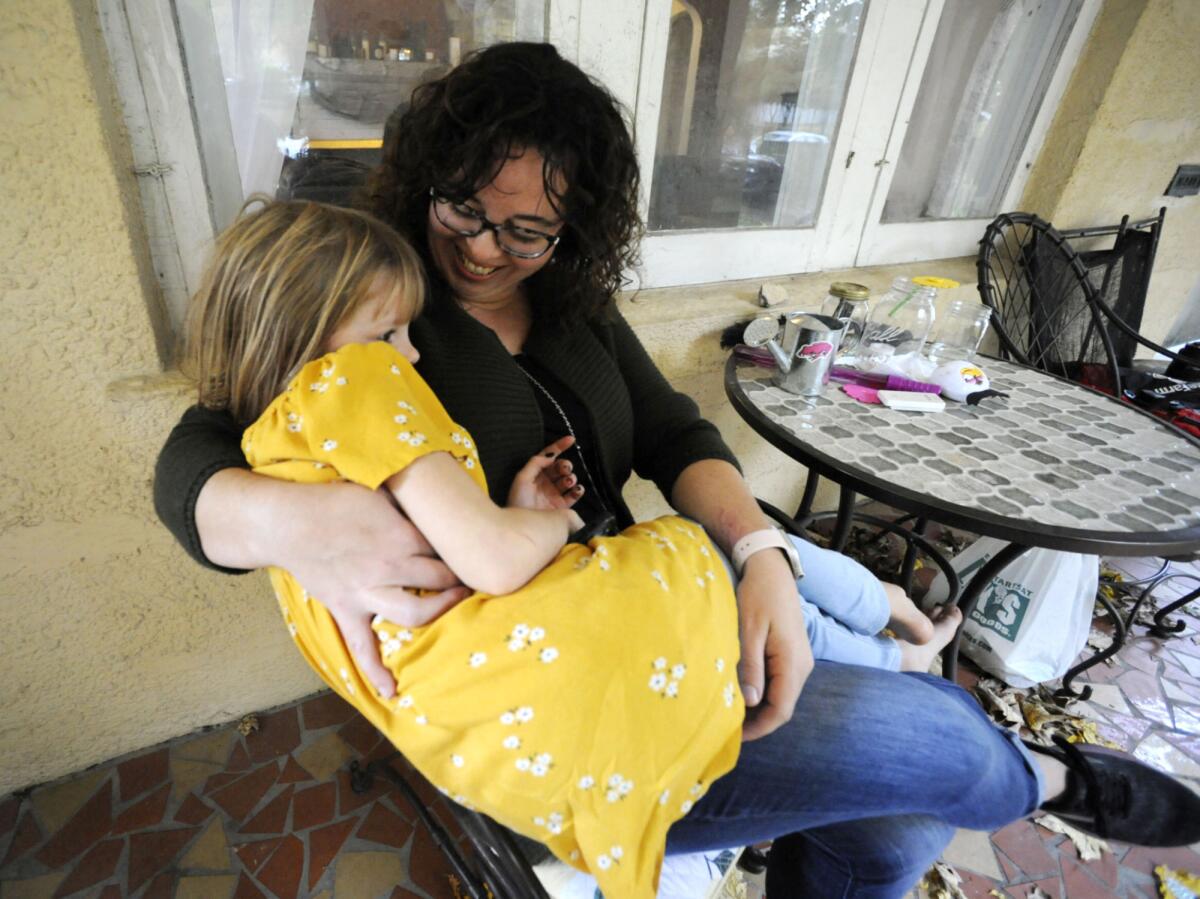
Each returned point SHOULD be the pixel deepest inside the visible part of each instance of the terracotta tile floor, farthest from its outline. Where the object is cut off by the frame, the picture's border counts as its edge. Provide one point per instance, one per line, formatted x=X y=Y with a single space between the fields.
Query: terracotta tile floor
x=271 y=813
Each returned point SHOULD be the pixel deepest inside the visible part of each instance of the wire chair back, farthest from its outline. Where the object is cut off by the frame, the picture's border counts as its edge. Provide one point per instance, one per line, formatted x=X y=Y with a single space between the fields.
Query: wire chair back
x=1121 y=273
x=1045 y=309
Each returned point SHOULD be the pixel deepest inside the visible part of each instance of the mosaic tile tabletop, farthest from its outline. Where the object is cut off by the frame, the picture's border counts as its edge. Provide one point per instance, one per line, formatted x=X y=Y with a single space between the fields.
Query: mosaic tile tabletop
x=1051 y=456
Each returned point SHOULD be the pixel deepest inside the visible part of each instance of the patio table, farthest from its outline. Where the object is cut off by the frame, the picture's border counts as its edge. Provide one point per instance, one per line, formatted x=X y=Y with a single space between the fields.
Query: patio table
x=1055 y=465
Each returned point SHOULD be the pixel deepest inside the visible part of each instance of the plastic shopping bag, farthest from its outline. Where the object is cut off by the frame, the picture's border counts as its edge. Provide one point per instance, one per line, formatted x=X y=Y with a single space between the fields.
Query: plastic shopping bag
x=1032 y=620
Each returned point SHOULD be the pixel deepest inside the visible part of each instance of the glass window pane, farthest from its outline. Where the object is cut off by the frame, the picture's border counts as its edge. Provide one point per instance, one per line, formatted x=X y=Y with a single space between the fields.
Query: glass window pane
x=311 y=83
x=988 y=70
x=752 y=94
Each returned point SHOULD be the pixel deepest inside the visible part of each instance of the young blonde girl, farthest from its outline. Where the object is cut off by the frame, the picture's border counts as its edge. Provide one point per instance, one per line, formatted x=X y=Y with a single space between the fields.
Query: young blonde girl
x=584 y=695
x=590 y=705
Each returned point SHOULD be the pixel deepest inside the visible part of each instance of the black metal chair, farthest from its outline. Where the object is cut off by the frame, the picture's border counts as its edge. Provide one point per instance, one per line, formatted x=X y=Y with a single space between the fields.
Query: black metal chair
x=1046 y=312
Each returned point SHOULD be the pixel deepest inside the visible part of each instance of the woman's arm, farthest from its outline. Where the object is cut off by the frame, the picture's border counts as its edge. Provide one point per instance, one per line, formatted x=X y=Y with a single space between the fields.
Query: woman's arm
x=492 y=549
x=775 y=650
x=348 y=545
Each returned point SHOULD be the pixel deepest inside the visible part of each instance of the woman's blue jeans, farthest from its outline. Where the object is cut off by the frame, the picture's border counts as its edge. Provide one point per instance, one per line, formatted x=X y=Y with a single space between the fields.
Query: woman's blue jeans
x=868 y=781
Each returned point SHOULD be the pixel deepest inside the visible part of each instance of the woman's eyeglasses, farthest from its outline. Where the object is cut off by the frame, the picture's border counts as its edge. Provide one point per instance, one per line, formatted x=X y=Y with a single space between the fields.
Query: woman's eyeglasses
x=516 y=240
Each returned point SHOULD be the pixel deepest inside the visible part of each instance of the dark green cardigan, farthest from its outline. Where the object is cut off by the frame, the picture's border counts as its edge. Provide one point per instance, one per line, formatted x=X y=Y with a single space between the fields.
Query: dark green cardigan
x=641 y=423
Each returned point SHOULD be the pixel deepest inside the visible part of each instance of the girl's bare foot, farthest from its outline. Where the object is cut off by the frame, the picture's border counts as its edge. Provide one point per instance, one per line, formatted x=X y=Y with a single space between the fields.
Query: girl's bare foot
x=944 y=624
x=906 y=620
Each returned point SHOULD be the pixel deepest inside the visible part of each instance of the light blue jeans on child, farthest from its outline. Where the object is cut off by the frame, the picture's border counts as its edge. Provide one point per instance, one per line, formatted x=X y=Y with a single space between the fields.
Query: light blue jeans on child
x=844 y=606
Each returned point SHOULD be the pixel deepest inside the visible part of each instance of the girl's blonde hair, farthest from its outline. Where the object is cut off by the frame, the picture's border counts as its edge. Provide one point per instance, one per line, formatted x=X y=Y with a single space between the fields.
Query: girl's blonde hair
x=282 y=278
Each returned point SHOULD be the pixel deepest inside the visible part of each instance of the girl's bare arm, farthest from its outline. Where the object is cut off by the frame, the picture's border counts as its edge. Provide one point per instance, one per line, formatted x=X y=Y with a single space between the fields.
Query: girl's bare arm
x=492 y=549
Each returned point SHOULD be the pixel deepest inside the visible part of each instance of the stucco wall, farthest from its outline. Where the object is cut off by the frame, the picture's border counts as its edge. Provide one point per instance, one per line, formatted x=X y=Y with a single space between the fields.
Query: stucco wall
x=1131 y=114
x=109 y=639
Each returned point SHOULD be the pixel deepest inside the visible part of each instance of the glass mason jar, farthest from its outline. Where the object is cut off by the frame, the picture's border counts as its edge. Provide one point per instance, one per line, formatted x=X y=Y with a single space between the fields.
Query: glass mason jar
x=850 y=304
x=899 y=322
x=959 y=331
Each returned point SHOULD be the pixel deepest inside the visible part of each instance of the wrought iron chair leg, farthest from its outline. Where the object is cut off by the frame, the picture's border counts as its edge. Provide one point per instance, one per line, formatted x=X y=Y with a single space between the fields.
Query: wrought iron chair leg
x=908 y=567
x=810 y=493
x=1066 y=691
x=1161 y=628
x=845 y=517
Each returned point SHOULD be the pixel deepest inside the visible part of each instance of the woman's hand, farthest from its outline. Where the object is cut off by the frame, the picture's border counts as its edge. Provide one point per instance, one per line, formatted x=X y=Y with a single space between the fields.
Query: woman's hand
x=776 y=654
x=346 y=545
x=546 y=482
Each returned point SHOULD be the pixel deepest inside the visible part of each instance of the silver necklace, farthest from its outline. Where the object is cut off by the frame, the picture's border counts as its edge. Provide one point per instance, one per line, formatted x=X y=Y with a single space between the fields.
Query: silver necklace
x=570 y=430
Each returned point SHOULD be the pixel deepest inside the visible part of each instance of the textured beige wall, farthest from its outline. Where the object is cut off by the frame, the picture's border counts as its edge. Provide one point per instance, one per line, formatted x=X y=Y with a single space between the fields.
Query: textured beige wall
x=109 y=639
x=1130 y=116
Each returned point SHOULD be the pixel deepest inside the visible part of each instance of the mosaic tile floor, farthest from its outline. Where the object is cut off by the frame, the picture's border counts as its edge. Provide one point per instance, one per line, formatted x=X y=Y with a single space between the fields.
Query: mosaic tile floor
x=271 y=813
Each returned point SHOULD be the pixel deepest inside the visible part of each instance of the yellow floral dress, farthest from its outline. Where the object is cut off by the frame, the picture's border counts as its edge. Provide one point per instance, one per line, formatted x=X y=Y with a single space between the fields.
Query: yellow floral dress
x=588 y=710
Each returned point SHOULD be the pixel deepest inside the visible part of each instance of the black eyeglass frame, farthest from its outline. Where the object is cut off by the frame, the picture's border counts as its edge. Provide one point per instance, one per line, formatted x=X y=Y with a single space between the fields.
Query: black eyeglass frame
x=485 y=225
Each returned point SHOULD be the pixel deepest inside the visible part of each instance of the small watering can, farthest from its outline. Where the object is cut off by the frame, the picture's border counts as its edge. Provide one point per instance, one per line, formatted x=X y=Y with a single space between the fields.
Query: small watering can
x=805 y=354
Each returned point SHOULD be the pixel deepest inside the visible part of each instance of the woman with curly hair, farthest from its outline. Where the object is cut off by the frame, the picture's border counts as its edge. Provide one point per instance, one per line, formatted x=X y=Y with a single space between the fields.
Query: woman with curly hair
x=515 y=178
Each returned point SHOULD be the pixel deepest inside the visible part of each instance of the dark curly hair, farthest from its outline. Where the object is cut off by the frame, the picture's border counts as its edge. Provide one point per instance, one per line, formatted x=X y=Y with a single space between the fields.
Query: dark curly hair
x=458 y=132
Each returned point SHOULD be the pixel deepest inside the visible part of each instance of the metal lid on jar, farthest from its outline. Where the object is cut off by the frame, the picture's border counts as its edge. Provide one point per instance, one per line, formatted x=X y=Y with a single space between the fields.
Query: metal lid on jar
x=848 y=290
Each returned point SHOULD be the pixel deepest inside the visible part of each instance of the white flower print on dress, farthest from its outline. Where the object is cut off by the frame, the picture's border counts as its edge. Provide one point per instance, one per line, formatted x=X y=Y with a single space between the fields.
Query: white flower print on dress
x=457 y=760
x=477 y=659
x=686 y=806
x=665 y=797
x=508 y=718
x=524 y=714
x=553 y=823
x=329 y=445
x=720 y=665
x=603 y=862
x=395 y=369
x=516 y=645
x=469 y=463
x=618 y=788
x=659 y=682
x=524 y=764
x=341 y=382
x=521 y=631
x=536 y=634
x=327 y=370
x=704 y=550
x=727 y=694
x=345 y=675
x=405 y=436
x=401 y=419
x=586 y=782
x=421 y=719
x=417 y=439
x=658 y=576
x=318 y=386
x=294 y=422
x=404 y=702
x=616 y=852
x=603 y=565
x=512 y=741
x=407 y=407
x=548 y=655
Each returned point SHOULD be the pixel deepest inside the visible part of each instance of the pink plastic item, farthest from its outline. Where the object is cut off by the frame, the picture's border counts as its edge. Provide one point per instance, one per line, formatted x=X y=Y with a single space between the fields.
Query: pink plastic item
x=869 y=395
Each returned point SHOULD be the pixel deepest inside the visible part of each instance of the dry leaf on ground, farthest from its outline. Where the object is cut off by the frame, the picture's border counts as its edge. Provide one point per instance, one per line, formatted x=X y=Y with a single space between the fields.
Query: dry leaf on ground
x=1088 y=847
x=248 y=725
x=941 y=882
x=1175 y=884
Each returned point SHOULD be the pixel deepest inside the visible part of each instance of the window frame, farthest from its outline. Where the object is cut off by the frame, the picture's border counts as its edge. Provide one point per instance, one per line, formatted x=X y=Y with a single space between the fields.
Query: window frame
x=167 y=68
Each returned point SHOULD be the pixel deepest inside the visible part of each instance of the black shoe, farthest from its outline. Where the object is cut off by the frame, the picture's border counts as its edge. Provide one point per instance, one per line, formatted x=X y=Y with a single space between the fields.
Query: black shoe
x=1113 y=795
